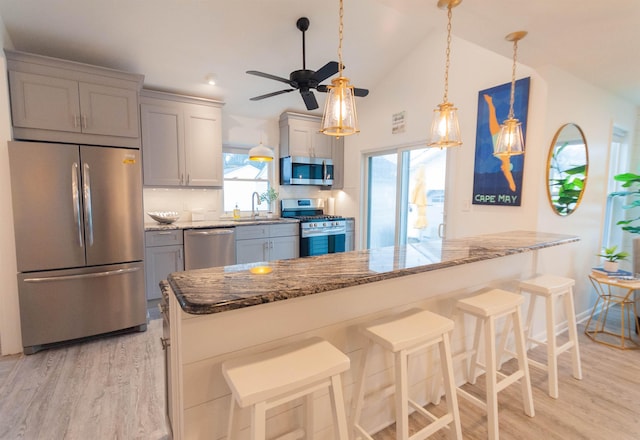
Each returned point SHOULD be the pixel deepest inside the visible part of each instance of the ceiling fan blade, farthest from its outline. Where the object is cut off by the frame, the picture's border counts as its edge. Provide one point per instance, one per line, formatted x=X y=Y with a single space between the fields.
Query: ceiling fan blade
x=269 y=76
x=309 y=99
x=356 y=91
x=329 y=69
x=269 y=95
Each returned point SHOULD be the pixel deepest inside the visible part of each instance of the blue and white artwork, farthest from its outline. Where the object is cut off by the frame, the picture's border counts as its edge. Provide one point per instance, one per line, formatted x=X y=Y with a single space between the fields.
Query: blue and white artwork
x=498 y=181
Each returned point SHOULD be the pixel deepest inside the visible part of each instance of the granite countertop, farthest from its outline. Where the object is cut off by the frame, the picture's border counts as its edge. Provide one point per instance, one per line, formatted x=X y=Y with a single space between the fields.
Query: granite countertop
x=218 y=289
x=222 y=223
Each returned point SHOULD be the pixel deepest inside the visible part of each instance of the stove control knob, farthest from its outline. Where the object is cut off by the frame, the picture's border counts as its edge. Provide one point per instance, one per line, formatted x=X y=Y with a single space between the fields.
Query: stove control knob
x=324 y=224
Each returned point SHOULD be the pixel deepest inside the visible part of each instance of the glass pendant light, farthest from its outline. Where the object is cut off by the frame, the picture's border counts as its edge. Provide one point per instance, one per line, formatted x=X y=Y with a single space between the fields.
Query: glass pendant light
x=445 y=131
x=260 y=153
x=340 y=118
x=510 y=141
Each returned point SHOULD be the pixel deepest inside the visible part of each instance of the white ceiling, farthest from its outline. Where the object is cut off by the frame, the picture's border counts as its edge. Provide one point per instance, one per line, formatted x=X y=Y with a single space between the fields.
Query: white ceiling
x=176 y=43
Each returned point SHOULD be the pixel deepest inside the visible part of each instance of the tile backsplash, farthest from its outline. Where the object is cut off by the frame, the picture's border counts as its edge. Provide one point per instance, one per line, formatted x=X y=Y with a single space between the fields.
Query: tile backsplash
x=207 y=204
x=203 y=201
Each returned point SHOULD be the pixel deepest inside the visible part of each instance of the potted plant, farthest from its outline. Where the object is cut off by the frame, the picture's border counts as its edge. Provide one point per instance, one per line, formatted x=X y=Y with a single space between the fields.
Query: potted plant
x=612 y=256
x=631 y=184
x=269 y=196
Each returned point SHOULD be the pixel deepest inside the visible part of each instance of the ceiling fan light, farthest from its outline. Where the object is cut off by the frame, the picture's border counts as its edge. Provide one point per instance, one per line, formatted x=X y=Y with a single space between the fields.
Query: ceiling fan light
x=340 y=117
x=445 y=130
x=510 y=141
x=260 y=153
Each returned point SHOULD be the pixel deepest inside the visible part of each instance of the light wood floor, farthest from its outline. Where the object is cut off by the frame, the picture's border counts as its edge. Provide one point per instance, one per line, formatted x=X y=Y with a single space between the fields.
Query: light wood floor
x=112 y=388
x=109 y=388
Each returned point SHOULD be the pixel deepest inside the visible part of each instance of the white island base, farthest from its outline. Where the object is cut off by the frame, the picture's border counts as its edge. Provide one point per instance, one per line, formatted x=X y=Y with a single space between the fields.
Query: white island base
x=198 y=395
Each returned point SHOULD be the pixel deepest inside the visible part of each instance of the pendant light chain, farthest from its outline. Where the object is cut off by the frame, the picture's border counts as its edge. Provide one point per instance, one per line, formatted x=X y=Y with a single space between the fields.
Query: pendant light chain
x=513 y=79
x=446 y=66
x=340 y=32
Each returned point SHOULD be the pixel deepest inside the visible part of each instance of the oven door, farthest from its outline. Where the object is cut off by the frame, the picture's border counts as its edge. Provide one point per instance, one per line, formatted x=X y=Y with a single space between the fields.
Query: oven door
x=322 y=244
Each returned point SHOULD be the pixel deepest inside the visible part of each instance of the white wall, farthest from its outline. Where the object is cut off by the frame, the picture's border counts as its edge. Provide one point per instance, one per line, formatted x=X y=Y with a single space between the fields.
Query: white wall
x=416 y=86
x=10 y=337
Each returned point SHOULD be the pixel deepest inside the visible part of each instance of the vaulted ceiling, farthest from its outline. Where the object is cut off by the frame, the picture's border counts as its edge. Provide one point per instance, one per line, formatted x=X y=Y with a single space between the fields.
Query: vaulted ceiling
x=177 y=43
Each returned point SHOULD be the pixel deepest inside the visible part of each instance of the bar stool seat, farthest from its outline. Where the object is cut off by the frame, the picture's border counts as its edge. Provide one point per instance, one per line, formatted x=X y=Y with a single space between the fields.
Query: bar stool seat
x=272 y=378
x=405 y=334
x=487 y=308
x=552 y=287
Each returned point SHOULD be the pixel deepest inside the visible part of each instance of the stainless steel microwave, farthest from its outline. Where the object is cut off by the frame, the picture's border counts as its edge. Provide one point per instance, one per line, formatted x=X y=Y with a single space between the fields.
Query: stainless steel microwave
x=295 y=170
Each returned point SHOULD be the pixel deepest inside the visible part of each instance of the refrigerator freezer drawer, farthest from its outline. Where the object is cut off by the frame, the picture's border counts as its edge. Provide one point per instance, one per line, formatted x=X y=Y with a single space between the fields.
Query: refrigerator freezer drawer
x=61 y=305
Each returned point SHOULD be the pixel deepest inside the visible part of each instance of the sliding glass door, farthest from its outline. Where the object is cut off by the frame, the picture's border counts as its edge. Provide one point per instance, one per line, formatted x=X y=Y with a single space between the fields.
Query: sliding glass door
x=405 y=196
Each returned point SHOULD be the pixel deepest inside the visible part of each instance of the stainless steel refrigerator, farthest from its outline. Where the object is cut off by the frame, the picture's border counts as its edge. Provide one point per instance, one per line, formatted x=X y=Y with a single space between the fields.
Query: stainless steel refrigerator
x=79 y=240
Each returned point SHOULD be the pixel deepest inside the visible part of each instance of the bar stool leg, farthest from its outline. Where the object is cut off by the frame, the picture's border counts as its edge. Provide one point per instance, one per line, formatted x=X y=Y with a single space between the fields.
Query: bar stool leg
x=337 y=406
x=258 y=421
x=455 y=430
x=552 y=355
x=401 y=396
x=529 y=323
x=523 y=364
x=357 y=399
x=309 y=424
x=491 y=377
x=471 y=372
x=231 y=426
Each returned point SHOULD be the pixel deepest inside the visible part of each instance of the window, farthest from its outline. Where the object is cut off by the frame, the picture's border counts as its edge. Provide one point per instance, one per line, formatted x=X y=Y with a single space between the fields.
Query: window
x=243 y=177
x=405 y=196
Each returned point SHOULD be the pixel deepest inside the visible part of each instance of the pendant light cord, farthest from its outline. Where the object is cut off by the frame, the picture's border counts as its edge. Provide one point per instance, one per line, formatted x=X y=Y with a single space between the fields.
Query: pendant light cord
x=446 y=65
x=340 y=32
x=513 y=79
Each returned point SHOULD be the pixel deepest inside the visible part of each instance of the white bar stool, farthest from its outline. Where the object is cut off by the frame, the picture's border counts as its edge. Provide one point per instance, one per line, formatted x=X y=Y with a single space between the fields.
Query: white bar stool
x=403 y=335
x=272 y=378
x=551 y=287
x=487 y=308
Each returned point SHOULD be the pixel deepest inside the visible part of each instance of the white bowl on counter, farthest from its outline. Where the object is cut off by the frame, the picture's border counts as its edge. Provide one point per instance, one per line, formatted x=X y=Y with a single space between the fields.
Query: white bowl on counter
x=164 y=217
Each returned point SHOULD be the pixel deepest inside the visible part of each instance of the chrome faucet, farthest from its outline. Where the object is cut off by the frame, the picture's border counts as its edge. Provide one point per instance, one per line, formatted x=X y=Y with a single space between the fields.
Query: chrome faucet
x=255 y=196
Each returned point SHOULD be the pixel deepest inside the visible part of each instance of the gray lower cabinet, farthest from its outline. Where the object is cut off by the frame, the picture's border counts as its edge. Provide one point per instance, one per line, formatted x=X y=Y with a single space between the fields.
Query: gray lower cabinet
x=163 y=255
x=267 y=242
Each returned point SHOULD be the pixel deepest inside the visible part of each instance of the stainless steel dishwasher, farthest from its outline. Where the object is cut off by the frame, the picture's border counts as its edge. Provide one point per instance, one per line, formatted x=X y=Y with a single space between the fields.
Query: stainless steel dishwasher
x=209 y=248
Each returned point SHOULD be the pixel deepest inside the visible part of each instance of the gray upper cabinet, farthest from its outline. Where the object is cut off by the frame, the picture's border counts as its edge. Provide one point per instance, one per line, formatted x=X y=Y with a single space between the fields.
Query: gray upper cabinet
x=300 y=136
x=64 y=101
x=181 y=140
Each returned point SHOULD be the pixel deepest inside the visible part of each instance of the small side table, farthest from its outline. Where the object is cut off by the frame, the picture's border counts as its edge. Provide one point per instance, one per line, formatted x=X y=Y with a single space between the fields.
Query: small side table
x=612 y=291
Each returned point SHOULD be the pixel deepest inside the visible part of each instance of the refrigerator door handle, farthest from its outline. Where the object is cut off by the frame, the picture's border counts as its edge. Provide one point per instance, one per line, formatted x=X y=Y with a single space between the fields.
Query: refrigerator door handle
x=87 y=275
x=75 y=195
x=88 y=211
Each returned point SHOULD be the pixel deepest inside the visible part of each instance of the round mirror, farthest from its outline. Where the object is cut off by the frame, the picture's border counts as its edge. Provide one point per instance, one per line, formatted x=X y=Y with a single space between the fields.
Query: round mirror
x=567 y=167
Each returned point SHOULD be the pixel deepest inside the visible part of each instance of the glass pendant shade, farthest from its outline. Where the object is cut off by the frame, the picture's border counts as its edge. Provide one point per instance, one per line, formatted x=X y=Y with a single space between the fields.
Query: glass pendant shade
x=445 y=131
x=340 y=118
x=510 y=140
x=260 y=153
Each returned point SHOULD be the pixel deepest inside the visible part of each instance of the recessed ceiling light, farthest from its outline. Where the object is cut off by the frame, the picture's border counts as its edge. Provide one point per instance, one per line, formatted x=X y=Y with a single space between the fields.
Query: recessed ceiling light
x=211 y=79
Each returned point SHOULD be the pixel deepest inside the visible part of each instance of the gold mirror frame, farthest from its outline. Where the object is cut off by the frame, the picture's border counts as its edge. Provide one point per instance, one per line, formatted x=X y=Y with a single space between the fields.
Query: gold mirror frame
x=566 y=174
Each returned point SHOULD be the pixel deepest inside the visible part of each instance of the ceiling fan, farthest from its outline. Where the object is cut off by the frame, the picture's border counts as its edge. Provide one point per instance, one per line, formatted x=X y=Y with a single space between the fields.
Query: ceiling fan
x=305 y=80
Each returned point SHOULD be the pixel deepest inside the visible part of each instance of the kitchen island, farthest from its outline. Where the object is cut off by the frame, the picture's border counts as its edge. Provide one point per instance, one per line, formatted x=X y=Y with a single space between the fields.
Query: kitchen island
x=219 y=313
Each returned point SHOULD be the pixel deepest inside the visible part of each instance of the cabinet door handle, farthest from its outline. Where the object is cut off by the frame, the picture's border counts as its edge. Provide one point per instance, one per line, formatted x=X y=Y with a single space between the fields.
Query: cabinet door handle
x=181 y=178
x=76 y=121
x=188 y=178
x=165 y=343
x=84 y=121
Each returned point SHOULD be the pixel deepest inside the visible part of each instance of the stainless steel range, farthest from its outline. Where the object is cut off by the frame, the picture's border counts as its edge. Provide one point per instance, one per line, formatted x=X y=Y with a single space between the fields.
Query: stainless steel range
x=319 y=233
